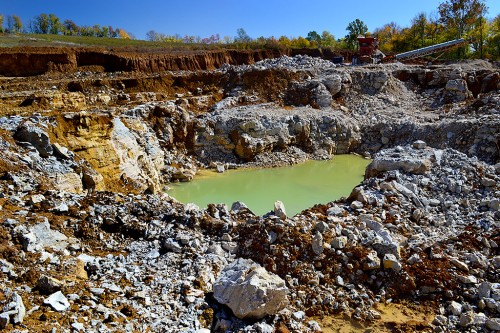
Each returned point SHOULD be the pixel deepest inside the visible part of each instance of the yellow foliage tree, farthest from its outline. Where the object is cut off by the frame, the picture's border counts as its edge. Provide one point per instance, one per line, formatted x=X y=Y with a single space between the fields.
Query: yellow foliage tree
x=285 y=41
x=300 y=43
x=123 y=34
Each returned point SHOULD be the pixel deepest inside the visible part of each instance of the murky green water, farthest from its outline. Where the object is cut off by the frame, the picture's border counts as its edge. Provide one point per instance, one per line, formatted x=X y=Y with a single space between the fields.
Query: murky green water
x=299 y=187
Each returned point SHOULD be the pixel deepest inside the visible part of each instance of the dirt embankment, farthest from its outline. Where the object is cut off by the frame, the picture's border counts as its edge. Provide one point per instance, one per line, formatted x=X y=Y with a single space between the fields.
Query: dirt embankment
x=29 y=61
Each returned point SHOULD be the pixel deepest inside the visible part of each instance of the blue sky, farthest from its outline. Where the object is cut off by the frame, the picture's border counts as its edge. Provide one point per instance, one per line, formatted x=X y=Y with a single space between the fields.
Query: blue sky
x=203 y=18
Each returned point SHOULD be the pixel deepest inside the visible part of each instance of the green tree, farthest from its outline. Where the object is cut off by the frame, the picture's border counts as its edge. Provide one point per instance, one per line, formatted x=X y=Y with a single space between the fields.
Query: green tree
x=327 y=39
x=354 y=29
x=313 y=36
x=434 y=28
x=1 y=22
x=242 y=36
x=55 y=24
x=69 y=28
x=479 y=34
x=152 y=36
x=9 y=22
x=419 y=23
x=493 y=39
x=42 y=24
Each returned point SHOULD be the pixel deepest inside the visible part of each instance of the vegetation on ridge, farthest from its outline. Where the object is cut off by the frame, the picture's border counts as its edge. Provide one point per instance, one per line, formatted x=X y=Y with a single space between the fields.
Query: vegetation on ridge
x=453 y=19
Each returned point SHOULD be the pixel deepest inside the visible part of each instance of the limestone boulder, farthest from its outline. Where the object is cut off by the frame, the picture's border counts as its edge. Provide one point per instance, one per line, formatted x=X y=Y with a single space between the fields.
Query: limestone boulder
x=411 y=165
x=456 y=90
x=250 y=291
x=333 y=83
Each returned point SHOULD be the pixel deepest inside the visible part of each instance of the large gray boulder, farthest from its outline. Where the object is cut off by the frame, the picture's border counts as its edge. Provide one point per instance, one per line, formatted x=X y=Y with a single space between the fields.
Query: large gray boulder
x=250 y=291
x=29 y=132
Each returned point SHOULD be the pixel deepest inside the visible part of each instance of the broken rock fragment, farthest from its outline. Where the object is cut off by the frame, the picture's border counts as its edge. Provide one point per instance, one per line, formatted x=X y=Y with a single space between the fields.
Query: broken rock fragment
x=250 y=291
x=58 y=302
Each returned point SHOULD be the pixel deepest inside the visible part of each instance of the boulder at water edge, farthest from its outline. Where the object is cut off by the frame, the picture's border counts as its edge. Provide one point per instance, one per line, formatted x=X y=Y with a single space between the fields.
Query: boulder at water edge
x=250 y=291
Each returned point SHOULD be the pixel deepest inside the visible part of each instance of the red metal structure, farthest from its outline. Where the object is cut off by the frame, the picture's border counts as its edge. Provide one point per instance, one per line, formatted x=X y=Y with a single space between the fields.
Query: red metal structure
x=368 y=50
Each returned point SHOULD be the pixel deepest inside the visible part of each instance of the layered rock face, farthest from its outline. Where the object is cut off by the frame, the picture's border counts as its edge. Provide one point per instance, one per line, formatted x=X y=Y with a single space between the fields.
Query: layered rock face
x=296 y=108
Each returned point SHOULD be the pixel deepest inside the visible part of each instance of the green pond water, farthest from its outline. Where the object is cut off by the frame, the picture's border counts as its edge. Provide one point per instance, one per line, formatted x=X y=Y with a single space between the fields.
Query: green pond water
x=299 y=187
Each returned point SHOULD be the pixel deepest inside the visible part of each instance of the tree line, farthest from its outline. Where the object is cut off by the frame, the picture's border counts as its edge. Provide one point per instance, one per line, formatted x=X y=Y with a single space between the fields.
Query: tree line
x=51 y=24
x=452 y=19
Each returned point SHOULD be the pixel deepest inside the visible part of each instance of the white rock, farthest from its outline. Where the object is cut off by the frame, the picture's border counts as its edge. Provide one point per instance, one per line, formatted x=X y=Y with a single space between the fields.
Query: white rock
x=455 y=308
x=471 y=279
x=249 y=290
x=78 y=326
x=20 y=310
x=299 y=315
x=335 y=211
x=356 y=204
x=57 y=301
x=414 y=259
x=279 y=210
x=36 y=198
x=484 y=290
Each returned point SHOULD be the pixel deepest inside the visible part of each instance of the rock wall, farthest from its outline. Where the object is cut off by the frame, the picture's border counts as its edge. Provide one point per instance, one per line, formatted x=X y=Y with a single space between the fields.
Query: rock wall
x=123 y=150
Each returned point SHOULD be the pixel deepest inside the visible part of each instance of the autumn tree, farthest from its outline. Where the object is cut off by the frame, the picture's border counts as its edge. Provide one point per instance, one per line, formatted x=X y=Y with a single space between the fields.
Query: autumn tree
x=386 y=36
x=300 y=43
x=354 y=29
x=285 y=41
x=18 y=24
x=459 y=16
x=227 y=40
x=124 y=35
